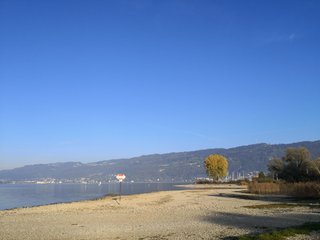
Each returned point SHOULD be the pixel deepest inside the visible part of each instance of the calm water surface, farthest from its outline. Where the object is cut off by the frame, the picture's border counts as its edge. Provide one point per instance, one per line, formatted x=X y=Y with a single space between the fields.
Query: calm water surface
x=27 y=195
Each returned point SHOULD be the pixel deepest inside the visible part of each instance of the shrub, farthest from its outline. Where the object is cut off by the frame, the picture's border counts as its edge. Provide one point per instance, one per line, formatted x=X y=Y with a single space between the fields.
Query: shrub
x=203 y=181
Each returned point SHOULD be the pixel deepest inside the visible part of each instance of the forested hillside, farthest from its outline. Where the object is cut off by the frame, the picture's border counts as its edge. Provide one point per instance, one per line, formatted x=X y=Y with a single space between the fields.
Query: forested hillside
x=176 y=167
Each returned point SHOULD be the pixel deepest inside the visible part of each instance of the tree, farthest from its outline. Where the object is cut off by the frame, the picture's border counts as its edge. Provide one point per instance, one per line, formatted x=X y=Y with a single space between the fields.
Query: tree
x=297 y=162
x=216 y=166
x=315 y=169
x=261 y=176
x=295 y=166
x=276 y=167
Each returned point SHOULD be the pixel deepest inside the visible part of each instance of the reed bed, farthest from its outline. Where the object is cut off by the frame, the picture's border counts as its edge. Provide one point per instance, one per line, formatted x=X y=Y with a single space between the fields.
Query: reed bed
x=300 y=189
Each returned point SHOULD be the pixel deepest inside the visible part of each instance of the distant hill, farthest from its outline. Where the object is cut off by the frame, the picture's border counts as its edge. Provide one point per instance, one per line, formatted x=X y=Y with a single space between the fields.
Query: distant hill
x=170 y=167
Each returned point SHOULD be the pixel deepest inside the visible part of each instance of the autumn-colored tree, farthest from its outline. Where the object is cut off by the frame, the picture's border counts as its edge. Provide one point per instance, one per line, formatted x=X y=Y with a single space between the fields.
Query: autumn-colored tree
x=216 y=166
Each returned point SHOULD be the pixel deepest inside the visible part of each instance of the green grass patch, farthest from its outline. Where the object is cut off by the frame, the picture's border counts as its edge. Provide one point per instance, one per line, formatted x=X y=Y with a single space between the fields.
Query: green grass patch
x=272 y=206
x=281 y=234
x=284 y=205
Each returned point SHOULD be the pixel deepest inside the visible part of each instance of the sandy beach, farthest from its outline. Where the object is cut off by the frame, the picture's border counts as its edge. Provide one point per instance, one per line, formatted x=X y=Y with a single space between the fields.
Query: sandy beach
x=198 y=212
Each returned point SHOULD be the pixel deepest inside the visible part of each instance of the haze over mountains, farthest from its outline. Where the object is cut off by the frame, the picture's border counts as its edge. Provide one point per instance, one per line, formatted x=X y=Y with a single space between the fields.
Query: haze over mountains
x=170 y=167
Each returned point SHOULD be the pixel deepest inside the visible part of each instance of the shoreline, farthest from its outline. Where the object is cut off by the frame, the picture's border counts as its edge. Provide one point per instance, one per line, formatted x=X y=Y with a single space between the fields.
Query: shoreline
x=111 y=195
x=179 y=186
x=105 y=197
x=192 y=213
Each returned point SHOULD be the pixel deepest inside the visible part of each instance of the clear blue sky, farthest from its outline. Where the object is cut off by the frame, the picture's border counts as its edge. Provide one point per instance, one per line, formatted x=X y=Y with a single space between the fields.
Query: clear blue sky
x=94 y=80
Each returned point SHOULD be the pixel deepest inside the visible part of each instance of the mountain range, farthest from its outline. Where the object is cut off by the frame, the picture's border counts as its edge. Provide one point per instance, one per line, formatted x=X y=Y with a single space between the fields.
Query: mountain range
x=169 y=167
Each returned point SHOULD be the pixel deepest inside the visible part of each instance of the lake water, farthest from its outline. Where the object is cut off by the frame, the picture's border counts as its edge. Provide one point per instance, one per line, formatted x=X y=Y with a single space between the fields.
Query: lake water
x=27 y=195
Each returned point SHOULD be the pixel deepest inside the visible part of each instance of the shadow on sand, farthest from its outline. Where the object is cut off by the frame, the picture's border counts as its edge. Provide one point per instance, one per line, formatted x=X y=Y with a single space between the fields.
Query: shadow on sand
x=267 y=198
x=258 y=223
